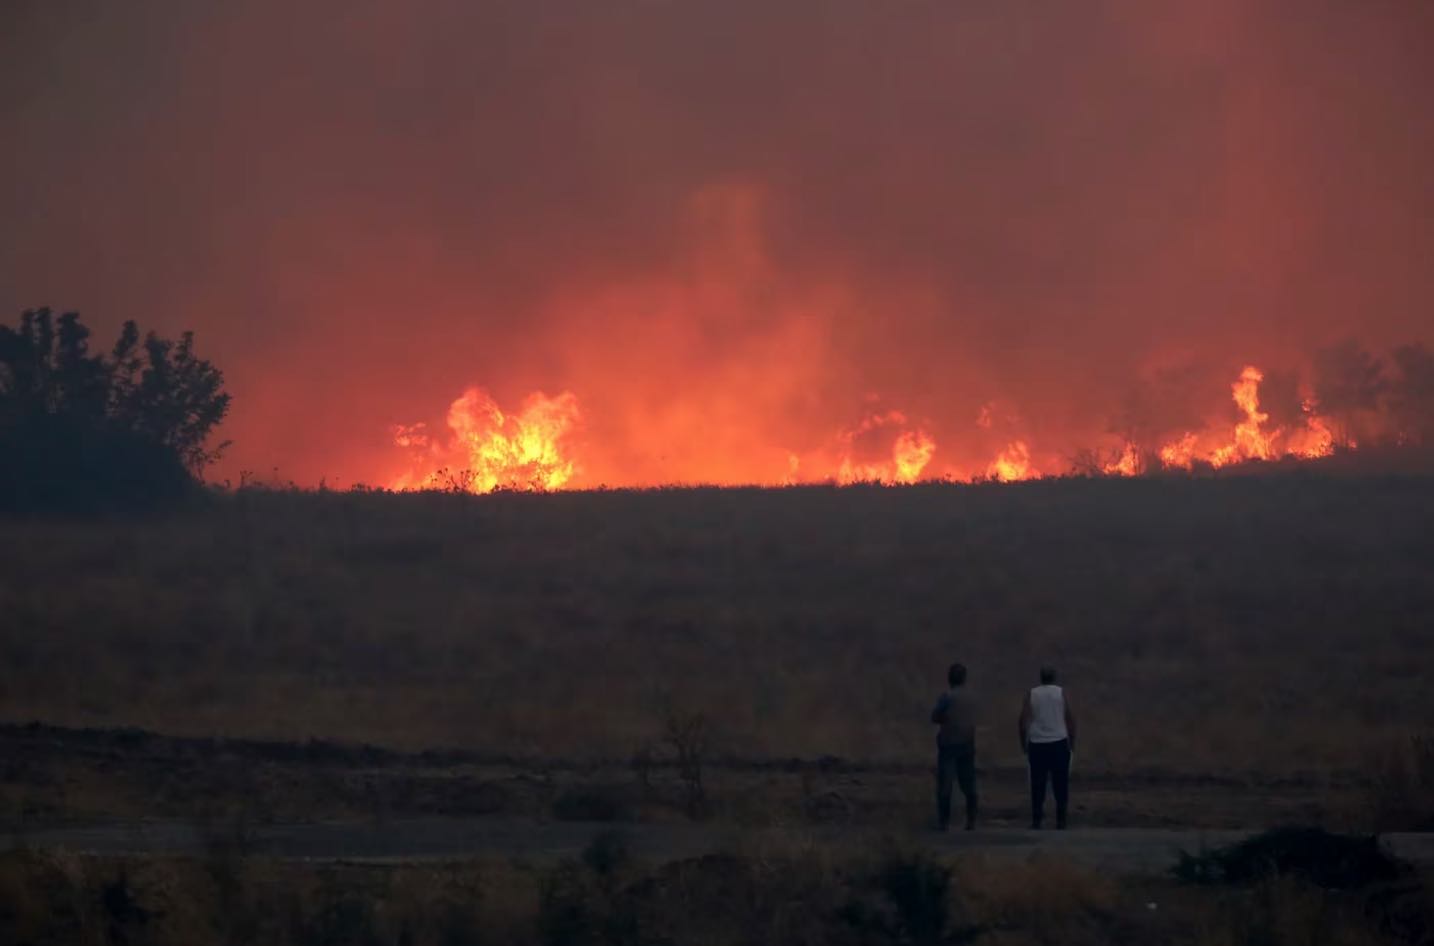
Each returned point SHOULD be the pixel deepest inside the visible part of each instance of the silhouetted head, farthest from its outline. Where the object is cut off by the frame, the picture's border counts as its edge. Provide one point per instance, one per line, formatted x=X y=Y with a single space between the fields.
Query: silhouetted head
x=956 y=675
x=1048 y=675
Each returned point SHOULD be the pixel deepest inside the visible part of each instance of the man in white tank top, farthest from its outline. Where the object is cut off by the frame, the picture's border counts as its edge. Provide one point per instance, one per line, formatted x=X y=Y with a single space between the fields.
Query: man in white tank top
x=1048 y=731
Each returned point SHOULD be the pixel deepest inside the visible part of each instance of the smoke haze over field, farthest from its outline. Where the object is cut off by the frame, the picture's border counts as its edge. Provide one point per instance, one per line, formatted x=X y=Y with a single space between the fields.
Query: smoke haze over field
x=736 y=232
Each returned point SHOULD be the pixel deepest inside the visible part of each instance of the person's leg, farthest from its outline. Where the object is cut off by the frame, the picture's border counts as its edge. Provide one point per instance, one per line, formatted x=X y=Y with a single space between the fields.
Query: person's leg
x=1036 y=757
x=945 y=776
x=1060 y=779
x=966 y=777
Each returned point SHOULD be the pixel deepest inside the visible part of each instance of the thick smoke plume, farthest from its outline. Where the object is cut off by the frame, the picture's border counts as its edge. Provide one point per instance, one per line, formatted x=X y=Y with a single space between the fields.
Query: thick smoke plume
x=752 y=241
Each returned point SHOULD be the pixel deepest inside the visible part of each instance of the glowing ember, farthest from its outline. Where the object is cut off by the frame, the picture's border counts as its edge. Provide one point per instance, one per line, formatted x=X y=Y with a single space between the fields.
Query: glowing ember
x=488 y=449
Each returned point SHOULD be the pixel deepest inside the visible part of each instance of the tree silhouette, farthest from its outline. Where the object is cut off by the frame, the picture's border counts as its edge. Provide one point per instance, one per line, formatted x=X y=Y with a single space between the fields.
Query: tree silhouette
x=1411 y=394
x=80 y=430
x=1350 y=383
x=162 y=391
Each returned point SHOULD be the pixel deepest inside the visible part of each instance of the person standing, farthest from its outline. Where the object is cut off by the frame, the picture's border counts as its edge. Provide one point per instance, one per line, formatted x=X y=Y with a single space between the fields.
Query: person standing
x=955 y=714
x=1048 y=732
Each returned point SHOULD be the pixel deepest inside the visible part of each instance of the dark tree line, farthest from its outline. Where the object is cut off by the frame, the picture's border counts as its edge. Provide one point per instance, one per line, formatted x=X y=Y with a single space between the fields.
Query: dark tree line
x=1373 y=398
x=85 y=431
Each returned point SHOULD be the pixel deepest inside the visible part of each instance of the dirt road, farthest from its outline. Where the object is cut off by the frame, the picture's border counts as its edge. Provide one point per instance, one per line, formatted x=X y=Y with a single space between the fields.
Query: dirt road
x=1118 y=849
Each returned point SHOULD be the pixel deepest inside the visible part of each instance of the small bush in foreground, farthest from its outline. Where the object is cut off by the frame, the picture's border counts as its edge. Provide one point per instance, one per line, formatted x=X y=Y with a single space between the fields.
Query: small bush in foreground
x=1330 y=860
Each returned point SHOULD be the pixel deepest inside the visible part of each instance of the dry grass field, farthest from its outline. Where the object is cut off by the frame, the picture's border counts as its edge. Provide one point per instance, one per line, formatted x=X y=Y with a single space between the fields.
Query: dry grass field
x=1264 y=627
x=792 y=894
x=1241 y=651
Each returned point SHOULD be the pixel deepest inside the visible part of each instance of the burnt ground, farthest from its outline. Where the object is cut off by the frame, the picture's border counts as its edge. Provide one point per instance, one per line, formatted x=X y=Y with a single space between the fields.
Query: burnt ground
x=52 y=776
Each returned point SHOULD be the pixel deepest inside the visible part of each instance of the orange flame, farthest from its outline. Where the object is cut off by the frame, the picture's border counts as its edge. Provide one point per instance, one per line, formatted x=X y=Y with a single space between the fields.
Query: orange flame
x=1250 y=440
x=490 y=450
x=1012 y=464
x=1126 y=464
x=910 y=454
x=1180 y=454
x=485 y=449
x=1316 y=440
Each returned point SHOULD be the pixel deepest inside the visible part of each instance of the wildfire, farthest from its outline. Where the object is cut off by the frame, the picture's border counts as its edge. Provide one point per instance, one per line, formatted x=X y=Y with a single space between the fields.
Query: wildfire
x=1250 y=440
x=1316 y=440
x=485 y=448
x=1179 y=455
x=910 y=453
x=1126 y=464
x=1012 y=464
x=488 y=449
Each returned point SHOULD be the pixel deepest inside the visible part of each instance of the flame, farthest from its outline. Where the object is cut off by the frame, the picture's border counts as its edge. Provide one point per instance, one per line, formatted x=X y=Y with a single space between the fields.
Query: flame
x=1126 y=464
x=1012 y=464
x=489 y=449
x=1179 y=455
x=485 y=448
x=1316 y=440
x=1250 y=440
x=758 y=413
x=910 y=453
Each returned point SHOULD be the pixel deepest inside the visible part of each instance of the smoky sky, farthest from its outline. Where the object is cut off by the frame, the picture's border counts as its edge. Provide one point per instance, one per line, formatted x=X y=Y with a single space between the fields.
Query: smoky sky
x=727 y=227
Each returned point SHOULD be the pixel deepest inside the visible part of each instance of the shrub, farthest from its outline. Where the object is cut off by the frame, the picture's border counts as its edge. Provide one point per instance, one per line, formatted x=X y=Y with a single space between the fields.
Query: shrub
x=1329 y=860
x=906 y=900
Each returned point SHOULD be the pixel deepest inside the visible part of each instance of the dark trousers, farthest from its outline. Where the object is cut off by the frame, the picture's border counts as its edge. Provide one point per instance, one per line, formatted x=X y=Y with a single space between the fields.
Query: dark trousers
x=955 y=764
x=1049 y=761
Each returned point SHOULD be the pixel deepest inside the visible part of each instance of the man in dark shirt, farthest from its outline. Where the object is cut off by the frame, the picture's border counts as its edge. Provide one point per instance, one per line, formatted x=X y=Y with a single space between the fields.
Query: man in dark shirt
x=955 y=714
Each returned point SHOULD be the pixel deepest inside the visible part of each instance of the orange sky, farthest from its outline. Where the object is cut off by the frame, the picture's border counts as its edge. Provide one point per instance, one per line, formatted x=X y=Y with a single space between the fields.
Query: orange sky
x=734 y=231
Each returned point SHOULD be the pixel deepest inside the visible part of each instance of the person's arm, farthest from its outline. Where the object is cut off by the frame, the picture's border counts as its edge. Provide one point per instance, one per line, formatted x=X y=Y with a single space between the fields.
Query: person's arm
x=1025 y=722
x=943 y=704
x=1070 y=724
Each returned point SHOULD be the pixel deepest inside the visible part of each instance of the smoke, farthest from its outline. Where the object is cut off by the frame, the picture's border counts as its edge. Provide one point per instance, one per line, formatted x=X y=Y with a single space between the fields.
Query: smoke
x=734 y=231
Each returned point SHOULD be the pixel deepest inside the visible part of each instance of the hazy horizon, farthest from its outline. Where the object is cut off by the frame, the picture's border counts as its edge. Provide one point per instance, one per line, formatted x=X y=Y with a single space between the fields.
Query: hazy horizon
x=750 y=240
